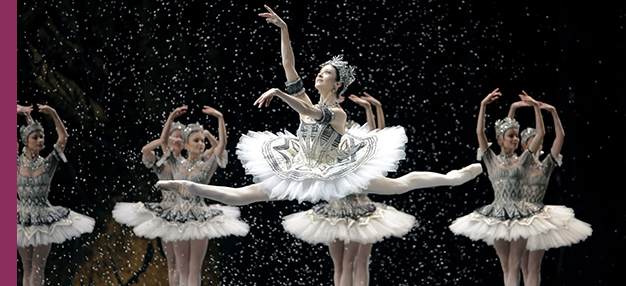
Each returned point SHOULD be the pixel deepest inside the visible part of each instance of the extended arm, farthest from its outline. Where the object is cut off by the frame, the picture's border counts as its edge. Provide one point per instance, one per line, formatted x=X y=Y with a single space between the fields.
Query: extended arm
x=380 y=115
x=368 y=110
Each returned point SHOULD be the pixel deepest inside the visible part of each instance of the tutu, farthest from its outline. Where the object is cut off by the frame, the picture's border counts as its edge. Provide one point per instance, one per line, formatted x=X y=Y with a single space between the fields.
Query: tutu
x=178 y=218
x=39 y=222
x=351 y=219
x=320 y=164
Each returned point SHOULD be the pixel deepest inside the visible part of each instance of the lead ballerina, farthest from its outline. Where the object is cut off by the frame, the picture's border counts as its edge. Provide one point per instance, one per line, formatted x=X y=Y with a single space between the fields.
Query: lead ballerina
x=322 y=162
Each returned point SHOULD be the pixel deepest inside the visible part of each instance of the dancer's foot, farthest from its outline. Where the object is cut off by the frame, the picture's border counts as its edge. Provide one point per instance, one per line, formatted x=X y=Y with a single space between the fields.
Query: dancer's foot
x=185 y=188
x=474 y=169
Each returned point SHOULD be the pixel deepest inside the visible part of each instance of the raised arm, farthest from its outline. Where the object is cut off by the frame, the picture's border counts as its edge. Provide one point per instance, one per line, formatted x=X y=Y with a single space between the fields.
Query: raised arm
x=480 y=127
x=165 y=134
x=380 y=115
x=209 y=136
x=368 y=110
x=515 y=106
x=541 y=131
x=558 y=128
x=61 y=131
x=289 y=61
x=221 y=143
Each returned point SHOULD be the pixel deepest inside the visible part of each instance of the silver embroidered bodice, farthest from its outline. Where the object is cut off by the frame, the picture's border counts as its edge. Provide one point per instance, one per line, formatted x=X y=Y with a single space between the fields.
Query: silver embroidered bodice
x=535 y=182
x=169 y=197
x=506 y=173
x=33 y=207
x=318 y=151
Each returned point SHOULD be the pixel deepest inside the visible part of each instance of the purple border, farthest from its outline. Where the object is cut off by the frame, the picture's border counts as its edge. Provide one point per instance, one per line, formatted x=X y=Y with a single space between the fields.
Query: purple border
x=8 y=78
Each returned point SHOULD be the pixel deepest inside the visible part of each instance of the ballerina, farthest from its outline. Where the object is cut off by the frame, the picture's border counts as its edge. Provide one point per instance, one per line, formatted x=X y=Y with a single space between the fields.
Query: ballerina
x=39 y=224
x=569 y=230
x=350 y=225
x=135 y=214
x=196 y=222
x=323 y=162
x=509 y=221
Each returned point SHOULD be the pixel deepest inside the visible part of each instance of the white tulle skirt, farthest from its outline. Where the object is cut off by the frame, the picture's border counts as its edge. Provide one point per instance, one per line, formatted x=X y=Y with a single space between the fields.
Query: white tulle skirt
x=72 y=225
x=381 y=154
x=333 y=221
x=554 y=226
x=205 y=222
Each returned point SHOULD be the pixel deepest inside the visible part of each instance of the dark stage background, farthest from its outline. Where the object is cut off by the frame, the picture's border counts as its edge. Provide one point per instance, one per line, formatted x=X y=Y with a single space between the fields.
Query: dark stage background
x=115 y=69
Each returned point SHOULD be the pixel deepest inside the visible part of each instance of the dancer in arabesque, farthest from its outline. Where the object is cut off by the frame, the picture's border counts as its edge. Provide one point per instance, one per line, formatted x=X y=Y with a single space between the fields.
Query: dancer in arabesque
x=322 y=162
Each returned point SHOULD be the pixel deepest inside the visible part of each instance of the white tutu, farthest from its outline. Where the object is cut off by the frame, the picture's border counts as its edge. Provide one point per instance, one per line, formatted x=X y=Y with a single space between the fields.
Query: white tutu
x=219 y=221
x=543 y=229
x=61 y=230
x=317 y=225
x=362 y=155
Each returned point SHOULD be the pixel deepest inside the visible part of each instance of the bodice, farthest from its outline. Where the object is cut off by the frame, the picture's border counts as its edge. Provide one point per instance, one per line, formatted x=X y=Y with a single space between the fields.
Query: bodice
x=319 y=141
x=537 y=177
x=34 y=191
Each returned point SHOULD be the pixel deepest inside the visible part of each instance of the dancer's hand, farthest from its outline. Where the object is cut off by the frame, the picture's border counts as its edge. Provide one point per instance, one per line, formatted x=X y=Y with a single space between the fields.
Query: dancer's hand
x=212 y=111
x=359 y=100
x=266 y=97
x=178 y=112
x=271 y=17
x=491 y=97
x=526 y=98
x=46 y=109
x=341 y=99
x=373 y=101
x=24 y=110
x=548 y=107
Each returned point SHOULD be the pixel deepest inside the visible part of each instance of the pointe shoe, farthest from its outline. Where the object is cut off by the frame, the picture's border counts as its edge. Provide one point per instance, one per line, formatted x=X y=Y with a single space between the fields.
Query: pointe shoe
x=180 y=186
x=474 y=169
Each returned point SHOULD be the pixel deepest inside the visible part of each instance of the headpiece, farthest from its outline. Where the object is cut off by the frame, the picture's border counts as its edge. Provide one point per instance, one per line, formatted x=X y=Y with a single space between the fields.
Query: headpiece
x=527 y=133
x=32 y=126
x=502 y=125
x=177 y=126
x=346 y=72
x=191 y=128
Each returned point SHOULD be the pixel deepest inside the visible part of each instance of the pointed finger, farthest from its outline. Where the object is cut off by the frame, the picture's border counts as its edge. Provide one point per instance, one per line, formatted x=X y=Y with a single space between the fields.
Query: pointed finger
x=269 y=9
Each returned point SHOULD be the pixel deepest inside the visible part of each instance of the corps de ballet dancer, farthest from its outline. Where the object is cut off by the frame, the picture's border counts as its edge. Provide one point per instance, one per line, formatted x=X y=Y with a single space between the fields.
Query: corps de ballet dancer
x=322 y=162
x=570 y=230
x=135 y=214
x=509 y=221
x=351 y=225
x=189 y=223
x=39 y=224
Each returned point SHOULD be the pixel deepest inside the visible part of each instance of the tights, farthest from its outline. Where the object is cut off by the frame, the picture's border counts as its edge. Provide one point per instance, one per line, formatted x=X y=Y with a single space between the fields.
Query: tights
x=189 y=258
x=34 y=263
x=510 y=254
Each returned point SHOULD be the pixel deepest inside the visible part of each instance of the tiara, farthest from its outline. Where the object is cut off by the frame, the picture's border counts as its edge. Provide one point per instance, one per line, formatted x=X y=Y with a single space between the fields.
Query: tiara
x=177 y=126
x=502 y=125
x=346 y=72
x=191 y=128
x=32 y=126
x=527 y=133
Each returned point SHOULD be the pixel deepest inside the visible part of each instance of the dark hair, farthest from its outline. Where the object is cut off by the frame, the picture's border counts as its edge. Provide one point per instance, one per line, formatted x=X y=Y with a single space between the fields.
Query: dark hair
x=338 y=78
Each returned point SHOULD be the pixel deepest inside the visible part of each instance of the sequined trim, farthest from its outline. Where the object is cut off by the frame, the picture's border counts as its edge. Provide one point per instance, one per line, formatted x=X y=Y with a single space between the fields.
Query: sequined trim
x=295 y=88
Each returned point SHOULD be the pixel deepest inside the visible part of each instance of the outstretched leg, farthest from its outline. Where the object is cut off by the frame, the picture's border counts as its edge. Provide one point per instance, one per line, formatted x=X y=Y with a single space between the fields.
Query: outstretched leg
x=168 y=249
x=227 y=195
x=420 y=180
x=361 y=265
